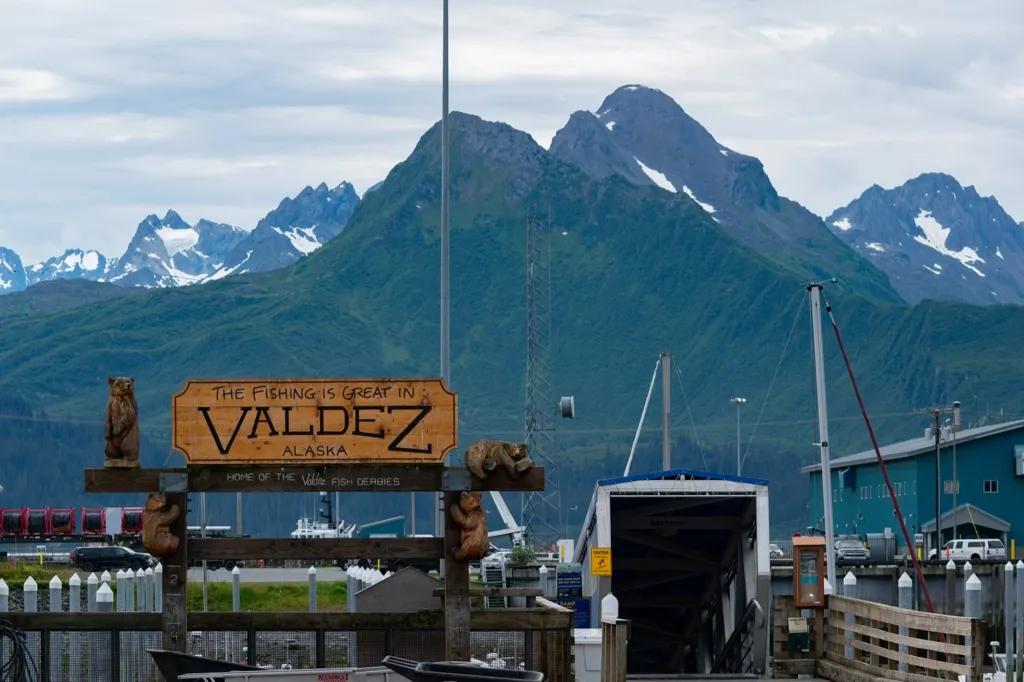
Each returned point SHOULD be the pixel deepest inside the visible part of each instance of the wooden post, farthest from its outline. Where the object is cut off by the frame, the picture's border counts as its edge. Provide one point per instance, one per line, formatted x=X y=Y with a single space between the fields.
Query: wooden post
x=456 y=588
x=175 y=581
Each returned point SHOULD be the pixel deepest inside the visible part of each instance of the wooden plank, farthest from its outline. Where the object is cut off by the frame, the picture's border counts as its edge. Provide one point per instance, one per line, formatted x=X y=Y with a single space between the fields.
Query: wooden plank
x=867 y=646
x=323 y=421
x=480 y=619
x=175 y=581
x=316 y=548
x=456 y=588
x=933 y=622
x=45 y=620
x=876 y=674
x=305 y=478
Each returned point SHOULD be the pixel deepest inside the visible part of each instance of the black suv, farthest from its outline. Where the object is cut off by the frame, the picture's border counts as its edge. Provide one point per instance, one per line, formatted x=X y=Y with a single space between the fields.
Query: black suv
x=110 y=558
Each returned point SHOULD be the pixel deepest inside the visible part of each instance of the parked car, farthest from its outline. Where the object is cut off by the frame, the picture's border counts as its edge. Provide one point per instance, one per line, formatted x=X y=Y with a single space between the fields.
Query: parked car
x=851 y=551
x=110 y=559
x=775 y=552
x=971 y=550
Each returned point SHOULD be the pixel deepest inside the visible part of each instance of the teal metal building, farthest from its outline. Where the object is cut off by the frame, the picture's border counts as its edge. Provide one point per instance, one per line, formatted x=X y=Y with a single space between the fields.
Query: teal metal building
x=982 y=473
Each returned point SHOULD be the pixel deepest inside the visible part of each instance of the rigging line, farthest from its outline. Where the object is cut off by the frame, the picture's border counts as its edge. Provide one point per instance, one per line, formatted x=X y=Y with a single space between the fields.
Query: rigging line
x=689 y=414
x=881 y=462
x=796 y=319
x=643 y=415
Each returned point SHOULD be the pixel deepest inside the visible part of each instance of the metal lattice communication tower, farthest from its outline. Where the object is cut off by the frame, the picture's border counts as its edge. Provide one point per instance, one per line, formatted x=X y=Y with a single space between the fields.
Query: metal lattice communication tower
x=542 y=511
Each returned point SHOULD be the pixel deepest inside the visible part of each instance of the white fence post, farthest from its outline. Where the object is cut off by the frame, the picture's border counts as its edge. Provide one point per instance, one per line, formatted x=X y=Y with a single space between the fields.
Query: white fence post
x=312 y=589
x=905 y=587
x=30 y=595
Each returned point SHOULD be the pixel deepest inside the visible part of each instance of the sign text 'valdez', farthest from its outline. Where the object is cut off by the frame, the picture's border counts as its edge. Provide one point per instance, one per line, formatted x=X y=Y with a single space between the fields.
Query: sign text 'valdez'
x=291 y=421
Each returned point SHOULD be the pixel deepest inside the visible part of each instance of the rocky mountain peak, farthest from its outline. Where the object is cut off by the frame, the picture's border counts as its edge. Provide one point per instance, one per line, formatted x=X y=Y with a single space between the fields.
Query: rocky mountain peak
x=642 y=134
x=12 y=272
x=937 y=238
x=297 y=227
x=72 y=264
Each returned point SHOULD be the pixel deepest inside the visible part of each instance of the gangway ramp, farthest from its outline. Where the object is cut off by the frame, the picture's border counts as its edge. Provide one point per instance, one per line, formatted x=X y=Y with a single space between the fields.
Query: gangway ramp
x=689 y=566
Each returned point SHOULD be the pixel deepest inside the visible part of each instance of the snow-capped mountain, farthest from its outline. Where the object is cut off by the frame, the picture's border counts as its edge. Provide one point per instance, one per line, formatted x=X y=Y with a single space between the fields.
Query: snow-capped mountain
x=294 y=229
x=169 y=252
x=937 y=240
x=72 y=264
x=12 y=273
x=643 y=135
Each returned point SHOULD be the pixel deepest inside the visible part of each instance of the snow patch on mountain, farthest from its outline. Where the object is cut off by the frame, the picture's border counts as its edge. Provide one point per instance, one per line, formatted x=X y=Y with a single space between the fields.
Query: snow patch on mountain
x=689 y=192
x=935 y=236
x=657 y=177
x=302 y=238
x=843 y=224
x=177 y=240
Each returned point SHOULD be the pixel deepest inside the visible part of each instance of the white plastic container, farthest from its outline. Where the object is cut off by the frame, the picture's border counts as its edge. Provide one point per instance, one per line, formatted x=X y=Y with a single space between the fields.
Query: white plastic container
x=586 y=651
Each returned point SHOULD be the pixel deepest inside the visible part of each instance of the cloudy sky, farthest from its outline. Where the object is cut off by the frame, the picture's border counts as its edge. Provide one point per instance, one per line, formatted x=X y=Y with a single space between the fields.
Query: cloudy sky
x=113 y=109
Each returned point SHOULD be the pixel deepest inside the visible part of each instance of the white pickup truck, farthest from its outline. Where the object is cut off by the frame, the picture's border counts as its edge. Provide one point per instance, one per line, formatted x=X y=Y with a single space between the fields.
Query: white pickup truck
x=971 y=550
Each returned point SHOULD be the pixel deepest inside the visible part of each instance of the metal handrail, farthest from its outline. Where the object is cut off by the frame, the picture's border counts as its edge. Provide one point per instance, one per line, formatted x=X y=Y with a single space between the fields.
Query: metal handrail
x=733 y=658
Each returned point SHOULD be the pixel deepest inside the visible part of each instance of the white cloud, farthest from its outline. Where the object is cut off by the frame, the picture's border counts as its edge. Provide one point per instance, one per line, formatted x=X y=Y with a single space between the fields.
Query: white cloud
x=111 y=109
x=32 y=85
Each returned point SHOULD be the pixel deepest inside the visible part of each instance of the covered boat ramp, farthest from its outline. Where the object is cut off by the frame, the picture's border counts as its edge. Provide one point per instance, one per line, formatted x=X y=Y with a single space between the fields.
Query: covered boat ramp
x=689 y=567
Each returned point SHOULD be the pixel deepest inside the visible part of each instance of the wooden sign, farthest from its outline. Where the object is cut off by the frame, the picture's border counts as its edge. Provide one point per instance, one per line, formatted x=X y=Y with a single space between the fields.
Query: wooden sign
x=601 y=561
x=314 y=421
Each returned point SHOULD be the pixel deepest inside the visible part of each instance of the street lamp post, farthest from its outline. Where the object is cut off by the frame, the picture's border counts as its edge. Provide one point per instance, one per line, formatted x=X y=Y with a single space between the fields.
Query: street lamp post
x=739 y=461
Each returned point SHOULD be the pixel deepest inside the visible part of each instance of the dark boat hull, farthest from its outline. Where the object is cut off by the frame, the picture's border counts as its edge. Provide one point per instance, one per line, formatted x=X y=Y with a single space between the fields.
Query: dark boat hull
x=172 y=664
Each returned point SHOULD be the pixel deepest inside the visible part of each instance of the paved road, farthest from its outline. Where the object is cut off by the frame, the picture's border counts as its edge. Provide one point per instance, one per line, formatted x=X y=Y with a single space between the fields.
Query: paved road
x=269 y=575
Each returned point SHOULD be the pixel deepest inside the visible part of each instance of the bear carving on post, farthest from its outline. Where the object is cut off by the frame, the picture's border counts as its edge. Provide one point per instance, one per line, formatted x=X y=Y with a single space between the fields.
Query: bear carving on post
x=121 y=428
x=484 y=456
x=470 y=516
x=157 y=537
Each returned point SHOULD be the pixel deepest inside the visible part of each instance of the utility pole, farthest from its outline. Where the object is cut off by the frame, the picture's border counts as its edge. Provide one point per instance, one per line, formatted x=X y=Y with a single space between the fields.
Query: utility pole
x=956 y=481
x=739 y=458
x=445 y=238
x=936 y=413
x=938 y=486
x=666 y=407
x=814 y=290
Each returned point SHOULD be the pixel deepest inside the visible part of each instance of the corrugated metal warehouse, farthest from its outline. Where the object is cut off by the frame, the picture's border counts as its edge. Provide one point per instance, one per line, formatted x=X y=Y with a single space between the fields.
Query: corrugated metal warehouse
x=982 y=473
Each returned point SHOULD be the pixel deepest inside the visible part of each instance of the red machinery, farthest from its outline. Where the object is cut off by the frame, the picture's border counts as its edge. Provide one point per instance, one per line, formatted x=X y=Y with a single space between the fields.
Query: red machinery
x=14 y=521
x=37 y=521
x=62 y=521
x=94 y=521
x=131 y=520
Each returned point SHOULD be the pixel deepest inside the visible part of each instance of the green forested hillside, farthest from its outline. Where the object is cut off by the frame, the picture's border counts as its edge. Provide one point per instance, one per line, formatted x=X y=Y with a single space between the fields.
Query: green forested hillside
x=636 y=271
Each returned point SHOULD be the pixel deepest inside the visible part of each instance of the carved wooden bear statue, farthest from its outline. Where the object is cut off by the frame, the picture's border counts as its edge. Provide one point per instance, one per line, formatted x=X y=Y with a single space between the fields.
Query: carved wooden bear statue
x=157 y=537
x=484 y=456
x=469 y=514
x=122 y=424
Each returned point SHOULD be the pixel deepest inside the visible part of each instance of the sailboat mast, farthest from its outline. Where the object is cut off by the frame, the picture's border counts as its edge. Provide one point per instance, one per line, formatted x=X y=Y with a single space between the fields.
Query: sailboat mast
x=826 y=470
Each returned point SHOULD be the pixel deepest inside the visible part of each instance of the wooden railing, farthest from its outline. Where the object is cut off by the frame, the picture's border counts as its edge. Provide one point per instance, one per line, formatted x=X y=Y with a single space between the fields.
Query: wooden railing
x=887 y=642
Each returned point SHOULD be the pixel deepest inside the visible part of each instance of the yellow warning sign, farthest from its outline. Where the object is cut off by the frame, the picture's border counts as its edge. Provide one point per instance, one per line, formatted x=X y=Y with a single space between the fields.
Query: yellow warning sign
x=601 y=561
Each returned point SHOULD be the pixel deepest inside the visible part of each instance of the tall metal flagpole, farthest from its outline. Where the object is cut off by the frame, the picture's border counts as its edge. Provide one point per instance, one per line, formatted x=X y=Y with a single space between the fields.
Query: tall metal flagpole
x=826 y=468
x=445 y=235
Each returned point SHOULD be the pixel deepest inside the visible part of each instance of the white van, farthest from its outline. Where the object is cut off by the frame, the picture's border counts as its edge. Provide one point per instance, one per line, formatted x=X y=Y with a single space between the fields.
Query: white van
x=972 y=550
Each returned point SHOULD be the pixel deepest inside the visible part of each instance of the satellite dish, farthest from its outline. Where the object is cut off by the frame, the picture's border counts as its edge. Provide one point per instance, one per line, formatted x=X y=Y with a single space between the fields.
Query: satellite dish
x=567 y=407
